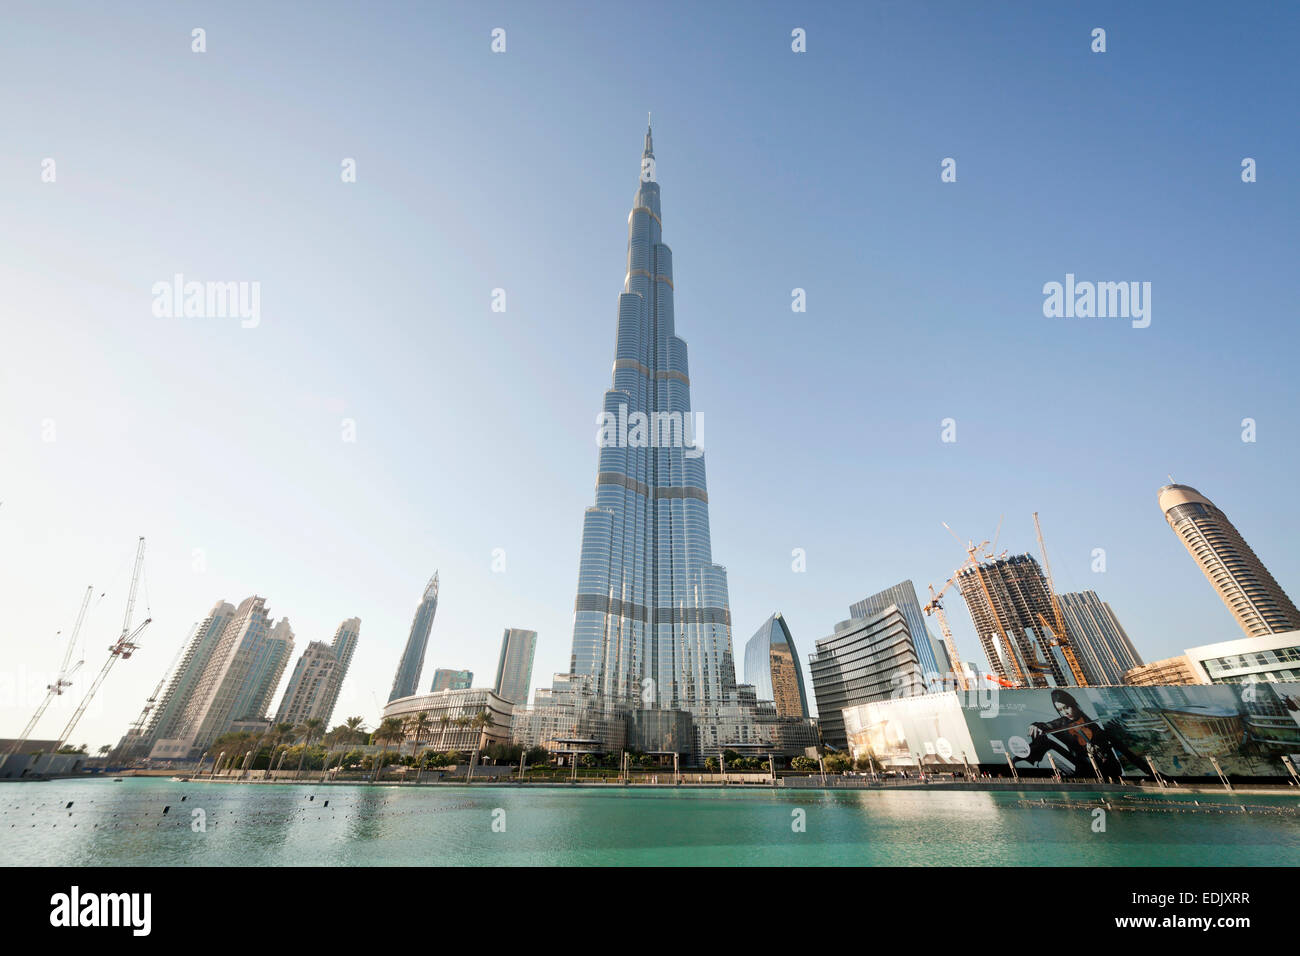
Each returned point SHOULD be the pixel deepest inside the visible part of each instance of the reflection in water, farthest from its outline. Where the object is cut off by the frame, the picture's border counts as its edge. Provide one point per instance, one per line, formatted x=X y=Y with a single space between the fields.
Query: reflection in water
x=275 y=825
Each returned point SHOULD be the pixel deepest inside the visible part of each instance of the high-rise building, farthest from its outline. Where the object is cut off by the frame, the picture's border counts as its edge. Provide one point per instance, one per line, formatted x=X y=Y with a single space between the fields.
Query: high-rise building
x=930 y=651
x=515 y=665
x=1251 y=593
x=772 y=667
x=241 y=676
x=317 y=677
x=1103 y=649
x=866 y=659
x=444 y=679
x=408 y=669
x=1017 y=644
x=168 y=714
x=652 y=621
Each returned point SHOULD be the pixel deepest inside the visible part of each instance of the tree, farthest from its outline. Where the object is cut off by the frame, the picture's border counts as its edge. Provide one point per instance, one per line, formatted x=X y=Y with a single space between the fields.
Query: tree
x=444 y=722
x=418 y=726
x=103 y=751
x=837 y=763
x=308 y=731
x=391 y=730
x=357 y=727
x=803 y=763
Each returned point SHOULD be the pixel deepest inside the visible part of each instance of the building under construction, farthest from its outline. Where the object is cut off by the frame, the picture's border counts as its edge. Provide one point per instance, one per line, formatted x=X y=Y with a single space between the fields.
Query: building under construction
x=1019 y=647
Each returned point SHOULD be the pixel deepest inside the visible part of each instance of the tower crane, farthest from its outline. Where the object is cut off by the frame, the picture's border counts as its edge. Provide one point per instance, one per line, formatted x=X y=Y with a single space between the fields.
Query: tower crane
x=972 y=561
x=1059 y=636
x=123 y=647
x=136 y=730
x=935 y=607
x=62 y=680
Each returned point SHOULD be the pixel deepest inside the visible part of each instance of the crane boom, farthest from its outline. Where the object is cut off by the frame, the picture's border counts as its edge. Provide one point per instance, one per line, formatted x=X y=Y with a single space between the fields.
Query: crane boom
x=61 y=679
x=1059 y=635
x=935 y=607
x=123 y=647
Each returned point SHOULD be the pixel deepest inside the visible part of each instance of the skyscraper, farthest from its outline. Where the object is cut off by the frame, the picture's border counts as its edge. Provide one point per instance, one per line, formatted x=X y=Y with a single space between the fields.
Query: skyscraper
x=1255 y=599
x=866 y=659
x=168 y=715
x=242 y=673
x=444 y=679
x=930 y=652
x=652 y=622
x=772 y=667
x=412 y=662
x=1011 y=631
x=1098 y=638
x=317 y=677
x=515 y=665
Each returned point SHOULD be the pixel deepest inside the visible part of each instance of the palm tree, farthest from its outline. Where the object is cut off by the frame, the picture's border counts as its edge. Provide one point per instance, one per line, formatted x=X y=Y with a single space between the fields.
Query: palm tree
x=444 y=721
x=357 y=727
x=418 y=725
x=308 y=730
x=276 y=734
x=390 y=730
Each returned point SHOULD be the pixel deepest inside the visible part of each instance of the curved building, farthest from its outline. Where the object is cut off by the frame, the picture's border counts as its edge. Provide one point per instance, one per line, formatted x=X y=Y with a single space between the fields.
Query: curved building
x=1255 y=599
x=412 y=662
x=772 y=666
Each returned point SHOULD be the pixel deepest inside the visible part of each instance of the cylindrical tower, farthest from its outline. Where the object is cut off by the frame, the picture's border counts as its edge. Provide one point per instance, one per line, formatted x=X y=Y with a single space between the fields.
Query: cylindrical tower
x=1255 y=599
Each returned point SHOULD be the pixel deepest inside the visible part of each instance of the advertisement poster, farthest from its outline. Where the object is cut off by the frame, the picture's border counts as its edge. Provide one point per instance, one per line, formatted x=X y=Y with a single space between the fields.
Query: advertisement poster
x=1094 y=732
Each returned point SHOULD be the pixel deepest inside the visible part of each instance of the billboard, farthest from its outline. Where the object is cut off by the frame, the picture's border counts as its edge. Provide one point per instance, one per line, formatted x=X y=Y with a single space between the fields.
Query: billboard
x=1092 y=731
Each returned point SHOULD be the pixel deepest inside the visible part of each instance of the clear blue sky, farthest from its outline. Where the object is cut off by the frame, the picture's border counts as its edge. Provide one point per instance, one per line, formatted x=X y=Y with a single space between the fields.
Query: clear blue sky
x=476 y=430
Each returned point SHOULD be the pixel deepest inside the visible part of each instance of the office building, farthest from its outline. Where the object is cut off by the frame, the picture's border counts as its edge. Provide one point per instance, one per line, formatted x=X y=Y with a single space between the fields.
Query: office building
x=1255 y=599
x=772 y=667
x=1102 y=647
x=407 y=678
x=866 y=659
x=930 y=651
x=444 y=679
x=515 y=665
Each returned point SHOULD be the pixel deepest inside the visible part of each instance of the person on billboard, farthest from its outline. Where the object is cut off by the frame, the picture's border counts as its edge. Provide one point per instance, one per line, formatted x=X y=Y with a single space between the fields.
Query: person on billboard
x=1077 y=737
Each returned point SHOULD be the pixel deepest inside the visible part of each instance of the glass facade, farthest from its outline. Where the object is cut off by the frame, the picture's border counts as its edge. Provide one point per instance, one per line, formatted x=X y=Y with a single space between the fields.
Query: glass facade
x=866 y=659
x=515 y=665
x=931 y=653
x=772 y=667
x=444 y=679
x=408 y=670
x=652 y=623
x=1102 y=647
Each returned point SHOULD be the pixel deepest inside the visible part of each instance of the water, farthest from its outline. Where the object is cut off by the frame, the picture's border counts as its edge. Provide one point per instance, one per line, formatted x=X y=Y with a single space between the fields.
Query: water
x=115 y=824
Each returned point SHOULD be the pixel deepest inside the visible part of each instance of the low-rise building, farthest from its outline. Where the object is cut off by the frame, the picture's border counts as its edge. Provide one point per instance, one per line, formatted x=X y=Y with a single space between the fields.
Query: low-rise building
x=461 y=720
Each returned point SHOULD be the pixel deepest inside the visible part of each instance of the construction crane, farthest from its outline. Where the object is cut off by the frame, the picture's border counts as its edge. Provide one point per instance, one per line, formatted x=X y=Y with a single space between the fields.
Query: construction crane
x=972 y=561
x=935 y=607
x=62 y=680
x=1059 y=636
x=136 y=730
x=123 y=647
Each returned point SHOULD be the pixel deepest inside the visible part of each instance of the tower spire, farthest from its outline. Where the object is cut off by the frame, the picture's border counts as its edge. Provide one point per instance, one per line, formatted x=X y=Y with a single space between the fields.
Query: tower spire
x=649 y=150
